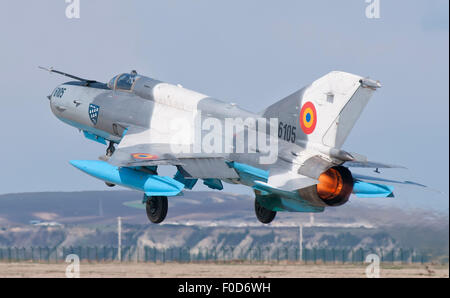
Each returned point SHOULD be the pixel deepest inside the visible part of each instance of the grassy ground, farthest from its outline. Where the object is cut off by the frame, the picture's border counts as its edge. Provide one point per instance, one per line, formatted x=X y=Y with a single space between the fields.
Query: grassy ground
x=219 y=270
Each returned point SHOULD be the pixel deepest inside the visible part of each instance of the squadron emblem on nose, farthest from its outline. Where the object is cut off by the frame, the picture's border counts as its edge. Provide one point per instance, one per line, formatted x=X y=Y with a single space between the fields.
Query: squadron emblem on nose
x=93 y=113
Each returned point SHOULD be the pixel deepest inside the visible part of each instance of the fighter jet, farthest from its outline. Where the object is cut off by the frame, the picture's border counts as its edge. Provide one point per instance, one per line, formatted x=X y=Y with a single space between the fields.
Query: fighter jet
x=290 y=153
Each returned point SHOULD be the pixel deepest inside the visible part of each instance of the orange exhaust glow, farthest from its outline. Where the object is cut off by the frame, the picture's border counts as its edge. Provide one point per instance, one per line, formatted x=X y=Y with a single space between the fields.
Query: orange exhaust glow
x=330 y=184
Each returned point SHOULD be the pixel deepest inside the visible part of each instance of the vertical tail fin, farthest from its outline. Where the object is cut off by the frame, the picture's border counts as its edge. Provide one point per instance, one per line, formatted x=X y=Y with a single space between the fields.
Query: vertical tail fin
x=325 y=111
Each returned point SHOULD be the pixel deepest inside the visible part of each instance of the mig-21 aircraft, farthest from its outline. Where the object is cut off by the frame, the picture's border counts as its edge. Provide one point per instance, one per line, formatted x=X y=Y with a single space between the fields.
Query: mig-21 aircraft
x=290 y=153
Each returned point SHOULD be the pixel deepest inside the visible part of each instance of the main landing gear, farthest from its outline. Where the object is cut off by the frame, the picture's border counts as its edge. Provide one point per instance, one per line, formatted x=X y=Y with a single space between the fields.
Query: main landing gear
x=156 y=208
x=264 y=215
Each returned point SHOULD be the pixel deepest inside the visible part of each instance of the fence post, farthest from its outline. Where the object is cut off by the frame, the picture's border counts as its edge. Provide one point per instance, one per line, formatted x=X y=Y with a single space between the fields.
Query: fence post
x=164 y=255
x=188 y=256
x=278 y=255
x=145 y=254
x=9 y=254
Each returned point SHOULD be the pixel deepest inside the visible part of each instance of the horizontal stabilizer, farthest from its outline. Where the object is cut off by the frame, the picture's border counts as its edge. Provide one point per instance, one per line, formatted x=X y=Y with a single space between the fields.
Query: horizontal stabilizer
x=371 y=164
x=389 y=181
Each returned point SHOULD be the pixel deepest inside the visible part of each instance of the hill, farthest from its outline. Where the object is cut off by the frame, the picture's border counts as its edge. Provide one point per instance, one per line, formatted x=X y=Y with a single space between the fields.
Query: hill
x=207 y=219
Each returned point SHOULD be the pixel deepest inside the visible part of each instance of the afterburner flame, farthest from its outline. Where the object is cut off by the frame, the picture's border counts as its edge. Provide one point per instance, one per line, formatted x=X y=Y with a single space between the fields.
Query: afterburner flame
x=330 y=184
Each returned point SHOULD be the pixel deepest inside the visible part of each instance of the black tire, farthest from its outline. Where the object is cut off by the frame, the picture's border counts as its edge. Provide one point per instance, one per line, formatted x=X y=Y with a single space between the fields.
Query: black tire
x=264 y=215
x=110 y=184
x=156 y=208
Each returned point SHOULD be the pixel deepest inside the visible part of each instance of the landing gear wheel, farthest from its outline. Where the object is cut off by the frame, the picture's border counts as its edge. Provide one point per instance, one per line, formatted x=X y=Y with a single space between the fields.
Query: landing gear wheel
x=156 y=208
x=110 y=184
x=264 y=215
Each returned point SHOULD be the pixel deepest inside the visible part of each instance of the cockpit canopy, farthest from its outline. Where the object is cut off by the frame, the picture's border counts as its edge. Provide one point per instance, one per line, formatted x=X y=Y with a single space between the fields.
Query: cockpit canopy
x=124 y=82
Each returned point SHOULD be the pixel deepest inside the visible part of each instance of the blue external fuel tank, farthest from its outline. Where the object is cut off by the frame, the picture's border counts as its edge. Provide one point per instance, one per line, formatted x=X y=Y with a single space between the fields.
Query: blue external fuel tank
x=152 y=185
x=372 y=190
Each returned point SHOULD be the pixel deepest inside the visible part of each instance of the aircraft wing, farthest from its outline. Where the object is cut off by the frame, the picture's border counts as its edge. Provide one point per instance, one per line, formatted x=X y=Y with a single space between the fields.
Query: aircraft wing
x=146 y=147
x=361 y=161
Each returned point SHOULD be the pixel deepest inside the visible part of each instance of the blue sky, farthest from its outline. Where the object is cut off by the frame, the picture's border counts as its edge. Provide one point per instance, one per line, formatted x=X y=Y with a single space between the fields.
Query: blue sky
x=249 y=52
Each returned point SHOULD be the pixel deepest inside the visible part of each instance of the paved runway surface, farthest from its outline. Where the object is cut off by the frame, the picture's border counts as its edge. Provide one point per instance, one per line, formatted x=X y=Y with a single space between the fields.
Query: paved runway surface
x=218 y=270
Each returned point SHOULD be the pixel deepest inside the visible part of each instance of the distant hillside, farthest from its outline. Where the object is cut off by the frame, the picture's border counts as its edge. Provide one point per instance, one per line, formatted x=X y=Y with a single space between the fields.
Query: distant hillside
x=210 y=219
x=103 y=207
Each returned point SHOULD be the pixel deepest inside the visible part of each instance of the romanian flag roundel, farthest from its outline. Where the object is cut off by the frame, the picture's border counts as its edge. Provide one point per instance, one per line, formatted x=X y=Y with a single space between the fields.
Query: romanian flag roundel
x=308 y=118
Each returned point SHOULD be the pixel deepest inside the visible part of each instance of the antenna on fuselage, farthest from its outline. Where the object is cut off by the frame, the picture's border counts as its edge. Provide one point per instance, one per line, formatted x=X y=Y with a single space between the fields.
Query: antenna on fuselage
x=68 y=75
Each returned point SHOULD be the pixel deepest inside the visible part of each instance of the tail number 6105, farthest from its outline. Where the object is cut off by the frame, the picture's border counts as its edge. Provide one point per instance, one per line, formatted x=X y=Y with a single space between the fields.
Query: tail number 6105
x=286 y=132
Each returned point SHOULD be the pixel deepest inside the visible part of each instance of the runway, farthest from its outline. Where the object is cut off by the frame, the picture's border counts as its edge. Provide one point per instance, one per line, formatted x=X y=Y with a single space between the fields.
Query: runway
x=211 y=270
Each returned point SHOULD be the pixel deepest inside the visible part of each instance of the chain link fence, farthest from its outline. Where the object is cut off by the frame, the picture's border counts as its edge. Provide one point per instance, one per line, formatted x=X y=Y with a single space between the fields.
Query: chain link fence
x=214 y=254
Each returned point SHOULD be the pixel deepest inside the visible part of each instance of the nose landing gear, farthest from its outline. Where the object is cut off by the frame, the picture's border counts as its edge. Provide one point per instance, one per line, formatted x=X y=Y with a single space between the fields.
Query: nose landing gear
x=110 y=150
